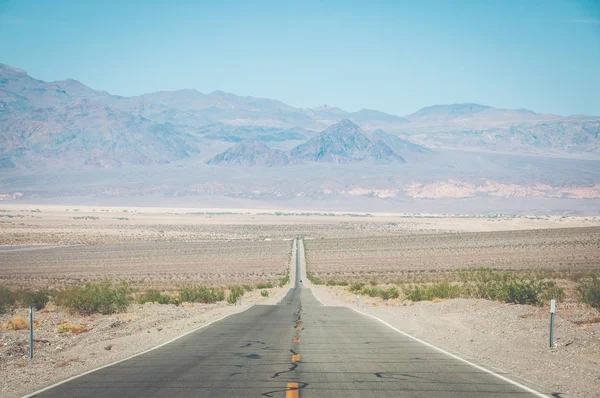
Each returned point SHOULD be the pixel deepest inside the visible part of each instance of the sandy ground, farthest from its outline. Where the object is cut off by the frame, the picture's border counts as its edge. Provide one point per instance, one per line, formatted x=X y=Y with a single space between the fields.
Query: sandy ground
x=383 y=257
x=107 y=338
x=24 y=225
x=510 y=339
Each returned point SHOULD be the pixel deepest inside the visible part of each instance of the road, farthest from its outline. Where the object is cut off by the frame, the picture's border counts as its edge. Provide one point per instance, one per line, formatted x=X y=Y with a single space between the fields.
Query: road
x=296 y=348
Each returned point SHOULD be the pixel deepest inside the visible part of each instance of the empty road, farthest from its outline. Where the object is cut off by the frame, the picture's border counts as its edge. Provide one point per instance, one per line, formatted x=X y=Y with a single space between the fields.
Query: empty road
x=296 y=348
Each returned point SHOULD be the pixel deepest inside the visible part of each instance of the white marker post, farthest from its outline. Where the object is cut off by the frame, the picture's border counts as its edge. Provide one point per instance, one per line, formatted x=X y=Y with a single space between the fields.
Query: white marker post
x=552 y=311
x=358 y=301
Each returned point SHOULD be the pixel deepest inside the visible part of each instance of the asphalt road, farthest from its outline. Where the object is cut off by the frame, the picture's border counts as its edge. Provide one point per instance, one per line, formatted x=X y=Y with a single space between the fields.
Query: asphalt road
x=295 y=348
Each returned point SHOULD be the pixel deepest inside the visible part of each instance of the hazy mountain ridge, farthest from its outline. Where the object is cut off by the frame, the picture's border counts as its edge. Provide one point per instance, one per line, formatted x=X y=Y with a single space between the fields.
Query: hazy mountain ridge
x=344 y=142
x=251 y=153
x=65 y=123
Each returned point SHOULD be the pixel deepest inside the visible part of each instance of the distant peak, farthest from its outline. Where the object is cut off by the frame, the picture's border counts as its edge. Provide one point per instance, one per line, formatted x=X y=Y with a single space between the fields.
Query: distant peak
x=343 y=125
x=4 y=68
x=326 y=107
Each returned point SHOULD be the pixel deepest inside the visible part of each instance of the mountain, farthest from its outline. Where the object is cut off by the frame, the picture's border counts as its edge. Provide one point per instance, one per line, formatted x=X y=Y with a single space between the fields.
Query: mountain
x=64 y=124
x=228 y=133
x=400 y=147
x=480 y=127
x=251 y=153
x=67 y=124
x=344 y=142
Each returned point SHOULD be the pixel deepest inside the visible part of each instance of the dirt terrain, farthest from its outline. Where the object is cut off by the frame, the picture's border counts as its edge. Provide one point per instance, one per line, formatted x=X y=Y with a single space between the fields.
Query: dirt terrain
x=51 y=246
x=563 y=250
x=158 y=264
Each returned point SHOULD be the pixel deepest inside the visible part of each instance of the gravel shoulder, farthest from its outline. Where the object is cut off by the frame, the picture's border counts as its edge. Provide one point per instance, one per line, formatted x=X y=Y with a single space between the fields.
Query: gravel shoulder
x=106 y=339
x=511 y=339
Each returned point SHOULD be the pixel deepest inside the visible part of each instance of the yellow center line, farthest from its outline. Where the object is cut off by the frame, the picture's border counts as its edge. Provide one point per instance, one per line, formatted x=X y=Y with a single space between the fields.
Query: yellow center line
x=298 y=328
x=295 y=357
x=291 y=390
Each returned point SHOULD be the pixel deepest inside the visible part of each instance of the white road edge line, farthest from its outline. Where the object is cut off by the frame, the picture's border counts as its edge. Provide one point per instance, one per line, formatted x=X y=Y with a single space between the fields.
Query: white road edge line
x=315 y=296
x=506 y=379
x=33 y=394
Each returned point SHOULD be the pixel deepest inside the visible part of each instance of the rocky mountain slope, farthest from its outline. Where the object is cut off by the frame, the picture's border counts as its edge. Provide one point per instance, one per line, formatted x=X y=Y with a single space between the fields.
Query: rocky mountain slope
x=341 y=143
x=344 y=142
x=251 y=153
x=65 y=123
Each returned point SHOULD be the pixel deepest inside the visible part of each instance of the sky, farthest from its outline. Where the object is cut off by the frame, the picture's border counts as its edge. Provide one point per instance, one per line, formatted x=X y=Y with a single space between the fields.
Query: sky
x=394 y=56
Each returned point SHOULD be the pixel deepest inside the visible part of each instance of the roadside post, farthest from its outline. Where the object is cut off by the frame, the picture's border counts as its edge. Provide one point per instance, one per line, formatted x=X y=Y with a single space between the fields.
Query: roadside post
x=552 y=310
x=31 y=332
x=358 y=301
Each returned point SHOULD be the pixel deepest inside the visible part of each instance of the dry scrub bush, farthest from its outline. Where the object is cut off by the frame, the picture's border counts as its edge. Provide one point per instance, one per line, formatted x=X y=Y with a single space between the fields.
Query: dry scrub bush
x=284 y=280
x=93 y=298
x=7 y=300
x=264 y=285
x=37 y=299
x=16 y=323
x=386 y=294
x=201 y=294
x=588 y=291
x=486 y=283
x=442 y=290
x=154 y=296
x=234 y=293
x=264 y=293
x=70 y=328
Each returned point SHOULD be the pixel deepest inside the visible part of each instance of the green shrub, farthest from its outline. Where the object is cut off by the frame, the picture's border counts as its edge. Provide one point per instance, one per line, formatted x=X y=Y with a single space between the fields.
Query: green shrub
x=92 y=298
x=356 y=287
x=284 y=281
x=386 y=294
x=509 y=287
x=264 y=293
x=332 y=282
x=7 y=300
x=552 y=291
x=315 y=280
x=201 y=294
x=588 y=291
x=248 y=288
x=234 y=293
x=441 y=290
x=519 y=291
x=37 y=299
x=267 y=285
x=154 y=296
x=390 y=293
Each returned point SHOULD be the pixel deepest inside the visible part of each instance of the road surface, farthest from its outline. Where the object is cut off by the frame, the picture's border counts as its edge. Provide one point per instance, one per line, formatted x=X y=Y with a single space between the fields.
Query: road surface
x=296 y=348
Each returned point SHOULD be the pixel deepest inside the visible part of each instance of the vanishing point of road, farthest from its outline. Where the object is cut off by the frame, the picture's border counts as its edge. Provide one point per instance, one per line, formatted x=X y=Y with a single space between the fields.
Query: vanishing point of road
x=297 y=348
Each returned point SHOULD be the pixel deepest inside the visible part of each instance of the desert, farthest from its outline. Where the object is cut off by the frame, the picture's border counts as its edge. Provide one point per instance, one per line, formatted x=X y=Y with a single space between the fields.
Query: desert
x=164 y=250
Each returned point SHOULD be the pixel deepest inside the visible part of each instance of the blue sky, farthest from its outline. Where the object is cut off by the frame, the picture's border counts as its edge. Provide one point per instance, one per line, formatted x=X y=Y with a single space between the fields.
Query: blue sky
x=395 y=56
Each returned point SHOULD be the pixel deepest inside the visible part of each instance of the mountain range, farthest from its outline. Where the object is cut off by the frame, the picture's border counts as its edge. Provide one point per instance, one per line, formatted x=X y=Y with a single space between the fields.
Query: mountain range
x=65 y=123
x=62 y=139
x=341 y=143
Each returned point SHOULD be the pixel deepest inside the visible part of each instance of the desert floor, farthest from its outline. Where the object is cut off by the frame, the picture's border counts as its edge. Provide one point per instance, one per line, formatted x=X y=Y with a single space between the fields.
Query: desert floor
x=50 y=246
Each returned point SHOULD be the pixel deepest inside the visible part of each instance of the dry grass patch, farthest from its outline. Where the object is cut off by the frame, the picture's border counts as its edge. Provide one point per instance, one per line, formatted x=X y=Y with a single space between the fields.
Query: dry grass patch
x=70 y=328
x=16 y=323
